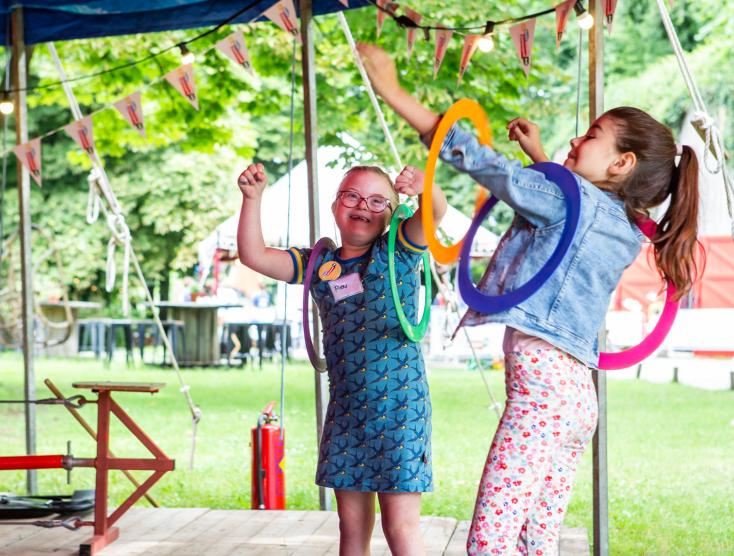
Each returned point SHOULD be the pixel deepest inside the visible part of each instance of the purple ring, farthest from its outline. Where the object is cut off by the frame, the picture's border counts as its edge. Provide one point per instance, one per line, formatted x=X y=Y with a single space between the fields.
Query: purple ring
x=484 y=303
x=322 y=245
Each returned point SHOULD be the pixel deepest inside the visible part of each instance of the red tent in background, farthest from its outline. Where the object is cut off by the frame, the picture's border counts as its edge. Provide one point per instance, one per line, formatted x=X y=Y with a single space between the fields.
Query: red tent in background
x=715 y=288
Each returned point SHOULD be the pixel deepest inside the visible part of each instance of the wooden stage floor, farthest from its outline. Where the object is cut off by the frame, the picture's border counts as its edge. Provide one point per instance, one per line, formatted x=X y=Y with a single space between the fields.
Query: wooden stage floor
x=204 y=532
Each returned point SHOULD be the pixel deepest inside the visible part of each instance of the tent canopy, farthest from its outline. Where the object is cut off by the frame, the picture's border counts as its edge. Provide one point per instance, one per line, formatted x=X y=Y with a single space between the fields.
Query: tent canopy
x=59 y=20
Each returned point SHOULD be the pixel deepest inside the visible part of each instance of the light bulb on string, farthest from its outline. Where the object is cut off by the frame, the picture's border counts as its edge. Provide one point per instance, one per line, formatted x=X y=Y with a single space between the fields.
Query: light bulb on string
x=187 y=57
x=584 y=19
x=486 y=43
x=6 y=105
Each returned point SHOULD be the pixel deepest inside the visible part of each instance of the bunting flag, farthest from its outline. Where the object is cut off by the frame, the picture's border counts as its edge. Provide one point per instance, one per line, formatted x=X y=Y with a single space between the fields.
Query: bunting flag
x=345 y=3
x=470 y=47
x=443 y=36
x=562 y=12
x=82 y=133
x=381 y=15
x=233 y=47
x=29 y=155
x=131 y=109
x=415 y=17
x=283 y=14
x=182 y=79
x=609 y=7
x=523 y=35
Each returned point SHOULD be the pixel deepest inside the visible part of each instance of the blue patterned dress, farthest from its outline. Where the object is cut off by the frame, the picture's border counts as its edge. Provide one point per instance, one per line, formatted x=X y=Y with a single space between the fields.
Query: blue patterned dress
x=377 y=432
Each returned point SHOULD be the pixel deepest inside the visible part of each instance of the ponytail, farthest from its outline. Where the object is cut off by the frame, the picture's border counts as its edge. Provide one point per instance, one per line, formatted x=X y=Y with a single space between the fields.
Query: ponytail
x=676 y=239
x=655 y=178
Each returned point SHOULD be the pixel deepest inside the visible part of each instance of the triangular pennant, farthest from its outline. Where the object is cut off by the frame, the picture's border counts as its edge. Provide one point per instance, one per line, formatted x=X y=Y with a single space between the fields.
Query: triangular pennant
x=523 y=35
x=345 y=3
x=562 y=12
x=443 y=36
x=283 y=14
x=391 y=7
x=182 y=79
x=131 y=109
x=470 y=47
x=233 y=47
x=609 y=7
x=29 y=155
x=82 y=133
x=415 y=17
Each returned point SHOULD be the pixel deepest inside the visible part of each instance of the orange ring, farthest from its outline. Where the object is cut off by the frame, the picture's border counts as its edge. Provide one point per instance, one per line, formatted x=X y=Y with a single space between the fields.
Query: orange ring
x=462 y=108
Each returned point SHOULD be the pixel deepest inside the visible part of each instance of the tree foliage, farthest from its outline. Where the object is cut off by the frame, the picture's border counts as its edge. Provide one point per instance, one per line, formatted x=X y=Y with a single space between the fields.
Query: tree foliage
x=180 y=182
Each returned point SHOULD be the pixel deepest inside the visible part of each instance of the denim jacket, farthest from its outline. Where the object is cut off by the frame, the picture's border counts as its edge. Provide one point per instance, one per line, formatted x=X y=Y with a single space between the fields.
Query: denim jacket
x=569 y=309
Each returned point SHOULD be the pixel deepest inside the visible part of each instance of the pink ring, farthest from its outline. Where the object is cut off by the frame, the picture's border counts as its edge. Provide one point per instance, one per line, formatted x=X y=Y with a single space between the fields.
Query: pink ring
x=612 y=361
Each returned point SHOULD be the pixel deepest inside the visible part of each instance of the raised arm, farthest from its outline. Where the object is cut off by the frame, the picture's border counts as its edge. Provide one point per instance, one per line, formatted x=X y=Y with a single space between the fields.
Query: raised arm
x=526 y=191
x=410 y=182
x=251 y=247
x=384 y=79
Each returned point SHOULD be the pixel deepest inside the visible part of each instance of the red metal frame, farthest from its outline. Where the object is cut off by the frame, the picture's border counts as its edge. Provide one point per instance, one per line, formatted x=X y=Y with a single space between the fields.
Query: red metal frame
x=104 y=532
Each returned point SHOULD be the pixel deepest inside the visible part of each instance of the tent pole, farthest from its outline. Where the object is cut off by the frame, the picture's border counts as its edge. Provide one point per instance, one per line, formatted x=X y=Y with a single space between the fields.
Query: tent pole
x=20 y=80
x=599 y=456
x=309 y=113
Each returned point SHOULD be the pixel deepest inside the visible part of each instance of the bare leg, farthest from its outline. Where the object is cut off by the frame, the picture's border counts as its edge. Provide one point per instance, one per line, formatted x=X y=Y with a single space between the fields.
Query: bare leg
x=356 y=520
x=401 y=514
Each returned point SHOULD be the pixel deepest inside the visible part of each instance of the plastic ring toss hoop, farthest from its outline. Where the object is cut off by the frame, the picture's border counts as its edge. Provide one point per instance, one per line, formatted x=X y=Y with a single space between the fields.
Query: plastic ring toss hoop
x=611 y=361
x=417 y=331
x=463 y=108
x=322 y=245
x=483 y=303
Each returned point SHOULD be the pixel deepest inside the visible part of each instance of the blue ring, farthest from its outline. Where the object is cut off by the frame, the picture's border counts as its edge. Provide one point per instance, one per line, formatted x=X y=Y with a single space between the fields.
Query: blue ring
x=483 y=303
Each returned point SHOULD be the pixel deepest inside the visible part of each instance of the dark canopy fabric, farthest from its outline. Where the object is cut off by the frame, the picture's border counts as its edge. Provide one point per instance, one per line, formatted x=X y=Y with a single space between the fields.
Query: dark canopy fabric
x=58 y=20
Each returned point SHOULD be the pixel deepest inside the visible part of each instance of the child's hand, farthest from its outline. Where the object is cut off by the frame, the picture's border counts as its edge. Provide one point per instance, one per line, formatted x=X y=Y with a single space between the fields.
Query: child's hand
x=252 y=181
x=527 y=134
x=380 y=69
x=410 y=181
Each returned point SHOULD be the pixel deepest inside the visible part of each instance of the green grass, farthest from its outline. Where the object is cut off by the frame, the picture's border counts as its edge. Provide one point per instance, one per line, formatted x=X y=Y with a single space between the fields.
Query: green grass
x=671 y=478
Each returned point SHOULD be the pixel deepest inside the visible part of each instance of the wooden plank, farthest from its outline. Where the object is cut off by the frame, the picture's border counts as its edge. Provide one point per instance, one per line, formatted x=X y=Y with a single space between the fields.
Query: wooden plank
x=150 y=387
x=196 y=532
x=157 y=526
x=216 y=531
x=437 y=532
x=457 y=543
x=574 y=542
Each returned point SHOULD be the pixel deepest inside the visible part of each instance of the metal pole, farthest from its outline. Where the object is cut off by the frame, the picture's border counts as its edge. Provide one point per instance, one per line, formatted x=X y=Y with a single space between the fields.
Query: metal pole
x=20 y=80
x=309 y=113
x=600 y=477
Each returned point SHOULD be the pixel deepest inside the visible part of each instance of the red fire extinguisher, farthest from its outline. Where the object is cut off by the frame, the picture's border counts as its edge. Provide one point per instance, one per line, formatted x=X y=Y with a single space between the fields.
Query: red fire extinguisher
x=268 y=453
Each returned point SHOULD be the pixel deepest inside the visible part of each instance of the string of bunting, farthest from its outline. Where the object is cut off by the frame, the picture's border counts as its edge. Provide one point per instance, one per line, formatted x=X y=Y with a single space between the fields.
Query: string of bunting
x=521 y=29
x=181 y=78
x=283 y=14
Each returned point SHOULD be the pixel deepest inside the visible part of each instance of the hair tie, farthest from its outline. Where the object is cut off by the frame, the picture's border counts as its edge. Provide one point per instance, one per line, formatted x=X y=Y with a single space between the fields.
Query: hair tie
x=678 y=149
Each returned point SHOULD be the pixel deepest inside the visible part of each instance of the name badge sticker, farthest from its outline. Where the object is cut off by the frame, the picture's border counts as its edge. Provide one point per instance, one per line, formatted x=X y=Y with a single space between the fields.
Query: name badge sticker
x=346 y=286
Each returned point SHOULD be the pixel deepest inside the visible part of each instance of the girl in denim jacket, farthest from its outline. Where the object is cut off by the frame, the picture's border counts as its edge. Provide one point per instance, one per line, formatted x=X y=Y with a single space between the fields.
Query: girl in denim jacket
x=625 y=165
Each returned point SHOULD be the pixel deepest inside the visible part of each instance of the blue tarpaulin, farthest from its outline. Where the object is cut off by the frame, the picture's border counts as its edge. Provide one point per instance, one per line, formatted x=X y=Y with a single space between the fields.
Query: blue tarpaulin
x=59 y=20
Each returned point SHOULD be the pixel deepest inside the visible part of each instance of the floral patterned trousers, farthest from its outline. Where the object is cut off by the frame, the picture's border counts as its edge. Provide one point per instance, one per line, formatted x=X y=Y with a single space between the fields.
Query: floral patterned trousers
x=549 y=419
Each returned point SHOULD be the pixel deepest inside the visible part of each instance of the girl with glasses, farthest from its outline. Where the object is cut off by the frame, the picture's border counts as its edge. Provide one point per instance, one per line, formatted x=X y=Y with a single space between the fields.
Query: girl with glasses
x=376 y=441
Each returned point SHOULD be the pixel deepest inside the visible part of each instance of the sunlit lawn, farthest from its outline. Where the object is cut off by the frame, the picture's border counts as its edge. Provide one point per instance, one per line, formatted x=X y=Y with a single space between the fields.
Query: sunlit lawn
x=671 y=447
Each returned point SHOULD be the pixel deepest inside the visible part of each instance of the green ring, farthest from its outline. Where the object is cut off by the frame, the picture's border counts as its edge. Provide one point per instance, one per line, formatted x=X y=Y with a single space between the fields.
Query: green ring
x=414 y=332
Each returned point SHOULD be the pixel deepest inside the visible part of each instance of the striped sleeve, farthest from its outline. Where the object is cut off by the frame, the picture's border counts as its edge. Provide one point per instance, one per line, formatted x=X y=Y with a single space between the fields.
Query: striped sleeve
x=404 y=240
x=299 y=258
